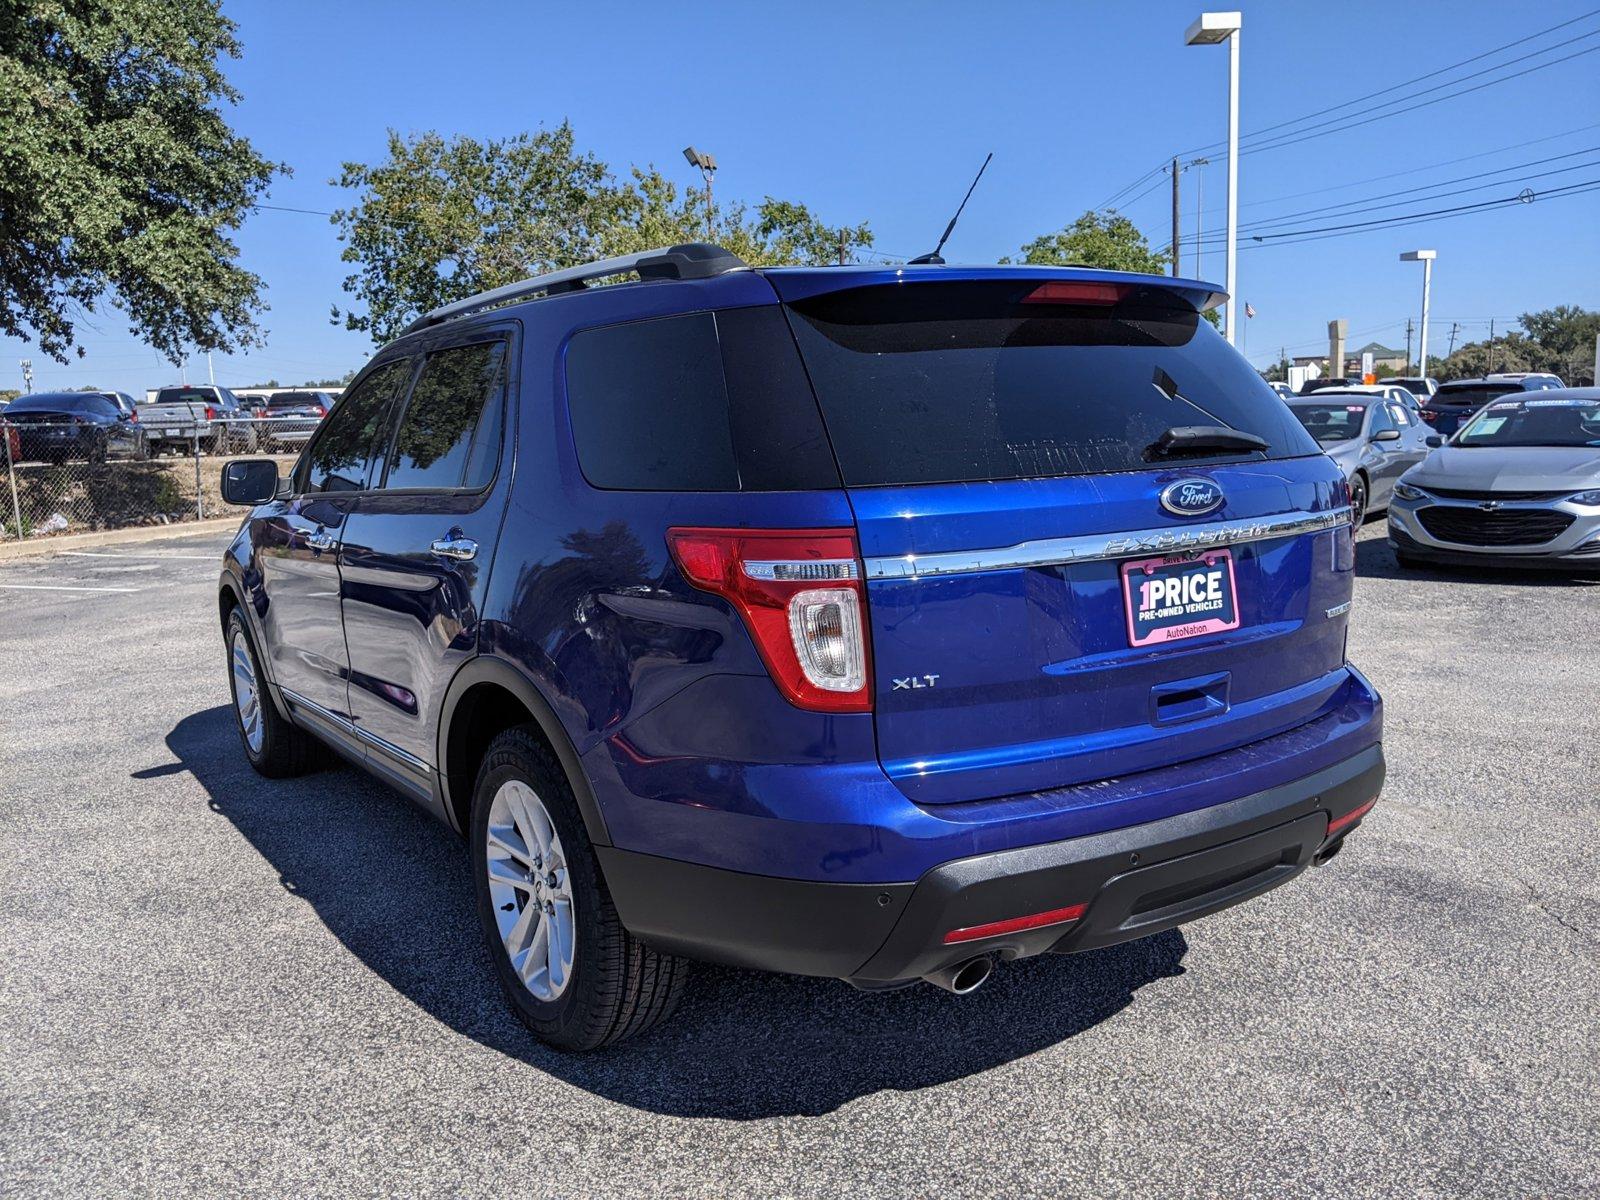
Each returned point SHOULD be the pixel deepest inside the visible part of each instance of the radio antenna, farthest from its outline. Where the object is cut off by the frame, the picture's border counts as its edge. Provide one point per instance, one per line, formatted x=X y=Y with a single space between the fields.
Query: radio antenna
x=950 y=228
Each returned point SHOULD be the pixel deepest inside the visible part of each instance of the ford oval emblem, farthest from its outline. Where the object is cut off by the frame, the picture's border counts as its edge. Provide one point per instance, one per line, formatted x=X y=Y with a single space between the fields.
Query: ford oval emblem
x=1191 y=497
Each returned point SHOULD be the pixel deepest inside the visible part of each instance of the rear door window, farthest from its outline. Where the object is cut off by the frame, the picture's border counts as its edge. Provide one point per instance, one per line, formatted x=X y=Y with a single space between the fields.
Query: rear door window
x=449 y=435
x=702 y=402
x=1005 y=379
x=341 y=457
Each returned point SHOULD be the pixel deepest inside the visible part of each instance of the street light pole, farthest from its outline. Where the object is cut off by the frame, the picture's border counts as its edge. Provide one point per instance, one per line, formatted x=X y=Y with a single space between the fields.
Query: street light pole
x=708 y=167
x=1425 y=257
x=1208 y=30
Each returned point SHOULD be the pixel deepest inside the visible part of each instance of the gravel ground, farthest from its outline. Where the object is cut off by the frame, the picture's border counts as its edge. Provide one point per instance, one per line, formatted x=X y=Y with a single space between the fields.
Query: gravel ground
x=210 y=983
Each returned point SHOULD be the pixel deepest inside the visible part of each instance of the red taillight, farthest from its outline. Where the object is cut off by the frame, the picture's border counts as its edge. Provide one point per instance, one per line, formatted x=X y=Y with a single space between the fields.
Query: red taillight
x=800 y=594
x=1056 y=916
x=211 y=413
x=1340 y=824
x=134 y=416
x=321 y=412
x=1077 y=292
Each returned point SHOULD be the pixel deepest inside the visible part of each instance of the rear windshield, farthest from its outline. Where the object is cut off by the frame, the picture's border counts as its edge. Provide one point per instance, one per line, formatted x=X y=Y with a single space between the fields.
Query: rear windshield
x=1549 y=422
x=57 y=402
x=1474 y=395
x=1001 y=379
x=1331 y=422
x=184 y=396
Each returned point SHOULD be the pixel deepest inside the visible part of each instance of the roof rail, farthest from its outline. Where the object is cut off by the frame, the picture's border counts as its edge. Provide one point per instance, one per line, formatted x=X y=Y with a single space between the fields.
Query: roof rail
x=694 y=260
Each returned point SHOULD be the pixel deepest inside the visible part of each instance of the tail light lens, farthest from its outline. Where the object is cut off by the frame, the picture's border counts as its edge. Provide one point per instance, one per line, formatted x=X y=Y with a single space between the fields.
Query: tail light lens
x=211 y=413
x=800 y=594
x=134 y=415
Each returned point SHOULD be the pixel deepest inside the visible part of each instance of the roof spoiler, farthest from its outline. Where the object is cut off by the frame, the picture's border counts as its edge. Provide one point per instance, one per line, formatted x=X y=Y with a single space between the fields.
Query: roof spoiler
x=693 y=260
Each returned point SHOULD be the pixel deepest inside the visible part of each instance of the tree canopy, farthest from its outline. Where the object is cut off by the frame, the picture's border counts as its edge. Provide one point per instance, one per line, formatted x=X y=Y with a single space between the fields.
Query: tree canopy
x=1105 y=239
x=441 y=219
x=1559 y=340
x=120 y=180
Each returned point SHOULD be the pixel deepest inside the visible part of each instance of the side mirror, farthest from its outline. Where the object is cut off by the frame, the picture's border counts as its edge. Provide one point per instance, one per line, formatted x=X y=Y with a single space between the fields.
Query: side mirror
x=1386 y=435
x=249 y=481
x=1434 y=441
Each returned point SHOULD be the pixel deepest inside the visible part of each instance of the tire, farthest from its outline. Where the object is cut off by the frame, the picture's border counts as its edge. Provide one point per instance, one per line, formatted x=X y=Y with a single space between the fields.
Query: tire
x=615 y=986
x=1358 y=502
x=275 y=748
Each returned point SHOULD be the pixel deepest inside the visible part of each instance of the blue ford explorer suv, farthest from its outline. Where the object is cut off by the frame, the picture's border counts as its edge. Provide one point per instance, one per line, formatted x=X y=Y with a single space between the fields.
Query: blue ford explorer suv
x=876 y=623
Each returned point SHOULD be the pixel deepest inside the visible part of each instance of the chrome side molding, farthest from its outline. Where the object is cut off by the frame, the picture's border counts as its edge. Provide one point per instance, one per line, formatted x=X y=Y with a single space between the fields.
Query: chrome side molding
x=1100 y=547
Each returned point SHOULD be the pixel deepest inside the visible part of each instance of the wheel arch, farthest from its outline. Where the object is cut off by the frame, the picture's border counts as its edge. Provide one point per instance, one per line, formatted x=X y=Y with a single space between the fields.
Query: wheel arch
x=486 y=697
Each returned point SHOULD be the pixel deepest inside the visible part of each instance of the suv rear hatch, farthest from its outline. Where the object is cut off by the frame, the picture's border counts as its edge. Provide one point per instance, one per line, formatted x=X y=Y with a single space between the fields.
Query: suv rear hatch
x=997 y=436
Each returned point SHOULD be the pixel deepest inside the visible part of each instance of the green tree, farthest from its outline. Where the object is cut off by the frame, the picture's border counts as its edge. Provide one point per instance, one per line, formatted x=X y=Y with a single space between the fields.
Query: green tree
x=1278 y=372
x=654 y=213
x=120 y=180
x=1105 y=239
x=440 y=220
x=1567 y=333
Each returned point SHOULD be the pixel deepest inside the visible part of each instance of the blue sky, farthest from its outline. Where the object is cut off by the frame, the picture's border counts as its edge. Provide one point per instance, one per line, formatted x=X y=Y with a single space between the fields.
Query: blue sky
x=881 y=112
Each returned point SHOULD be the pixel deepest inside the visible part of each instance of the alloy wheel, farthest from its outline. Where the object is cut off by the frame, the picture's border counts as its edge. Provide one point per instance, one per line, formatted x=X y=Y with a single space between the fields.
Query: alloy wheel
x=246 y=695
x=530 y=890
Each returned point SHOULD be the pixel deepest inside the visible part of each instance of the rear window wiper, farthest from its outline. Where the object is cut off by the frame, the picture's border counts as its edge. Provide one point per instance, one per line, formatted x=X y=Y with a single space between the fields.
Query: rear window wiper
x=1202 y=439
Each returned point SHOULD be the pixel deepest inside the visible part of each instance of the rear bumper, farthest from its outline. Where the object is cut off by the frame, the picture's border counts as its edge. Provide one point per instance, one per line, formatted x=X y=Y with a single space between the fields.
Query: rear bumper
x=1133 y=882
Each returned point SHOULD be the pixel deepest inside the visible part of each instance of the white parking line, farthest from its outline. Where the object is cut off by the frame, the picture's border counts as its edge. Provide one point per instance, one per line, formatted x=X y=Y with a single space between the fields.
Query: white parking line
x=95 y=554
x=59 y=587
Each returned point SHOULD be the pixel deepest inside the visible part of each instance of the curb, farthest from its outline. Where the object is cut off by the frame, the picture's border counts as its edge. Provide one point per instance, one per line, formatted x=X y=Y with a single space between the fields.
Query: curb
x=41 y=547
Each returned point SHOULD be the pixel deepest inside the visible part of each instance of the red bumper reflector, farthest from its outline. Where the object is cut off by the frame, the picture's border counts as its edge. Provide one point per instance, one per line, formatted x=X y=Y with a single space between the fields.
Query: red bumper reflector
x=1056 y=916
x=1340 y=824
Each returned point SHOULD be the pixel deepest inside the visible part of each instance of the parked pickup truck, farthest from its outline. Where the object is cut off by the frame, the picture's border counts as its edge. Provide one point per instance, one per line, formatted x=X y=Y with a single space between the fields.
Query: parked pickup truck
x=178 y=416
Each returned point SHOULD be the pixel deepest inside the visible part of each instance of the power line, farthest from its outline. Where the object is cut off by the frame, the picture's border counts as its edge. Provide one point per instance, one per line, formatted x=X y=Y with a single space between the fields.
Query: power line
x=1294 y=236
x=1449 y=162
x=1318 y=132
x=1421 y=78
x=1358 y=207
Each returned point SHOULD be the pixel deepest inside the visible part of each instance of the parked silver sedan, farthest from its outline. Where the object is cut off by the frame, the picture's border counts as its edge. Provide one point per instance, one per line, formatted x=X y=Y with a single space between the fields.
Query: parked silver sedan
x=1374 y=440
x=1517 y=485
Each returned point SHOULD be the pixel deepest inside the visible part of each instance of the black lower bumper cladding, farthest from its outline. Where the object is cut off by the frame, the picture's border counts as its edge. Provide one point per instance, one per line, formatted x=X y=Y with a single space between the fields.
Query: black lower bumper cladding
x=1130 y=883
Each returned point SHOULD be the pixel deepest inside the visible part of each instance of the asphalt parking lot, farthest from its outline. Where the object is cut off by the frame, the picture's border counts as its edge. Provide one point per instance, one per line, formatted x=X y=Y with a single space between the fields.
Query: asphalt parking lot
x=210 y=983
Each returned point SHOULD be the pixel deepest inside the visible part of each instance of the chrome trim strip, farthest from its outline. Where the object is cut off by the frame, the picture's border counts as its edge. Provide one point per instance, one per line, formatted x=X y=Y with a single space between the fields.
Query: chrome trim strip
x=346 y=725
x=1100 y=547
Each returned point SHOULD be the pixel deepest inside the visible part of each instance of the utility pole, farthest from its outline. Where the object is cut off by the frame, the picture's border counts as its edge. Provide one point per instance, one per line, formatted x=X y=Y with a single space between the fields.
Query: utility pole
x=1491 y=346
x=210 y=369
x=1199 y=208
x=841 y=246
x=1408 y=345
x=1454 y=325
x=1174 y=217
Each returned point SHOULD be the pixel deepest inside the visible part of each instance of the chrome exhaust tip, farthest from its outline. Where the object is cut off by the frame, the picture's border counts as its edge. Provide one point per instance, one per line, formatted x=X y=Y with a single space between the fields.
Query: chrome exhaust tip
x=963 y=978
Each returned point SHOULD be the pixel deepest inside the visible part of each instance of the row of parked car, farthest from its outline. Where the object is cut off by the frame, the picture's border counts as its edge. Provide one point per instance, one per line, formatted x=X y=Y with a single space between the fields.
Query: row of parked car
x=1503 y=469
x=63 y=426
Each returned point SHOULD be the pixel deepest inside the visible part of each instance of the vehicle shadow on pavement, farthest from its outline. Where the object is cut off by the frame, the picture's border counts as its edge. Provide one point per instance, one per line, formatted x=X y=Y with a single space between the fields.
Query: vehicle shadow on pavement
x=393 y=886
x=1375 y=560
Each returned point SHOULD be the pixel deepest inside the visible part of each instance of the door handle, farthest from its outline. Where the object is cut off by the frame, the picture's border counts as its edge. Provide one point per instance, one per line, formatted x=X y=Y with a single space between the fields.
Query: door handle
x=454 y=545
x=321 y=540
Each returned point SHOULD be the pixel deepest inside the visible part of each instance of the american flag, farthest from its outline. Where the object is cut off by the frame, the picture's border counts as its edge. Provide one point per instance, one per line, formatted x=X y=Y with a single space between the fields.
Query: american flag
x=1249 y=310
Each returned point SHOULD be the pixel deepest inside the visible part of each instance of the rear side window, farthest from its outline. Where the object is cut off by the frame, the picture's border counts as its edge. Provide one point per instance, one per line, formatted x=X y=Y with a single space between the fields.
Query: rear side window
x=711 y=402
x=1003 y=379
x=449 y=437
x=341 y=457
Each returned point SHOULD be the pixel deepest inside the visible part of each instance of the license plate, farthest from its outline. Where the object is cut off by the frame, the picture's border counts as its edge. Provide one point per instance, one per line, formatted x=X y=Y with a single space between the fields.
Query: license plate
x=1179 y=596
x=169 y=433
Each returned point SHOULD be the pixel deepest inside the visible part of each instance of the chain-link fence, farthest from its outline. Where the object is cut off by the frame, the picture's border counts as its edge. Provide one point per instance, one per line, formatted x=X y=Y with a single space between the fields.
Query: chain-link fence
x=62 y=476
